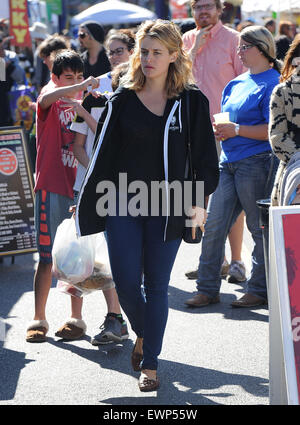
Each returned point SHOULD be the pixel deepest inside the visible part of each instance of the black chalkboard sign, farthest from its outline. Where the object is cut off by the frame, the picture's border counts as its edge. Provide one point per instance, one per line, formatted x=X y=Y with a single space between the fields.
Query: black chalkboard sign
x=17 y=231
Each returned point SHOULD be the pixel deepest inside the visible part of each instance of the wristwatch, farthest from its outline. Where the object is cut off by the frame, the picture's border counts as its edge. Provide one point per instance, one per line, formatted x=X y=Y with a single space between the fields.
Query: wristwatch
x=237 y=129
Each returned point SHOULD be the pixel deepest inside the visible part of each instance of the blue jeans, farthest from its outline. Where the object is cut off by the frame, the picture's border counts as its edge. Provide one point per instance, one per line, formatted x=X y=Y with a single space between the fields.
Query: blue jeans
x=241 y=184
x=138 y=255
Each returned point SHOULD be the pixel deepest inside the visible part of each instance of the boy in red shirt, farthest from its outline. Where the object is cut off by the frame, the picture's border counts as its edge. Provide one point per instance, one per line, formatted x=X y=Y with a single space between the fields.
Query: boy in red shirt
x=55 y=176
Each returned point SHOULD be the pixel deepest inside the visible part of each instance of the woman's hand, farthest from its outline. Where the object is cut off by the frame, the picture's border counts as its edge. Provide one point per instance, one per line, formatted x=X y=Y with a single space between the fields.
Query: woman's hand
x=95 y=94
x=218 y=135
x=198 y=216
x=224 y=131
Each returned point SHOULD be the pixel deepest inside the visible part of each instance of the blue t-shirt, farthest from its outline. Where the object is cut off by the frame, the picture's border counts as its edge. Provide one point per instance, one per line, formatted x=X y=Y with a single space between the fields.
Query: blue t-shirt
x=247 y=99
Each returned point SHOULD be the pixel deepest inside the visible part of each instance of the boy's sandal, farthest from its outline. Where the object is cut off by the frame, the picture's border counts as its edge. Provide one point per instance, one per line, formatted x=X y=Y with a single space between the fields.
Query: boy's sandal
x=37 y=330
x=136 y=359
x=72 y=329
x=147 y=384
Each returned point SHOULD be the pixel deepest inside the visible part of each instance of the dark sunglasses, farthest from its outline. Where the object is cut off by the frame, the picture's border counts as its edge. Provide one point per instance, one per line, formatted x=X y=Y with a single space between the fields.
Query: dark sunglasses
x=82 y=35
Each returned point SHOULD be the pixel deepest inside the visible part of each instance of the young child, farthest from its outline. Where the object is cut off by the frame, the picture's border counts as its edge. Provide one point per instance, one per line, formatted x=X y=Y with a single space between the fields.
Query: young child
x=56 y=168
x=114 y=327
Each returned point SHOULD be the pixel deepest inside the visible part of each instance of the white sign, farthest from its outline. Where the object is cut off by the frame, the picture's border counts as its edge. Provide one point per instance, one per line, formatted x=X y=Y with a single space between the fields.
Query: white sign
x=284 y=304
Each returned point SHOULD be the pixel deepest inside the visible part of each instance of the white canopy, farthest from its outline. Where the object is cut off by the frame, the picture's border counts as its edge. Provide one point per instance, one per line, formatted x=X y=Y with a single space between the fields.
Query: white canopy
x=114 y=12
x=249 y=6
x=4 y=9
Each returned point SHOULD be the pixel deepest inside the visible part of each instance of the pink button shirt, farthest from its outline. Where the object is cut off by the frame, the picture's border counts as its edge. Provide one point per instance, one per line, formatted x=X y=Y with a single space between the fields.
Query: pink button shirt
x=216 y=63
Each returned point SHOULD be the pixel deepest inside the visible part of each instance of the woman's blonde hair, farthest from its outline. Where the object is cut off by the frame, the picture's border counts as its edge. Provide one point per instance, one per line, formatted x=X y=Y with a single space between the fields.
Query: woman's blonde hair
x=262 y=38
x=180 y=72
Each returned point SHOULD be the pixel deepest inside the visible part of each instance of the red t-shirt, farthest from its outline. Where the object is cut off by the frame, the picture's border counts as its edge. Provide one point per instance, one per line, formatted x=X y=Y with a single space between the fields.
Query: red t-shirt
x=56 y=164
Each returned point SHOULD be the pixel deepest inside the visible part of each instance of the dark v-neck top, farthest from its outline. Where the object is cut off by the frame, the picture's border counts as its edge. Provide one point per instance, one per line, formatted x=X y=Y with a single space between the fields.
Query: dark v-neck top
x=141 y=139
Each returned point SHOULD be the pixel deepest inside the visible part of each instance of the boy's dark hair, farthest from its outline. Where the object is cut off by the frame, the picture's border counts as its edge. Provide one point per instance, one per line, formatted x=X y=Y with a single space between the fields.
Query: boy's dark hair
x=52 y=44
x=67 y=59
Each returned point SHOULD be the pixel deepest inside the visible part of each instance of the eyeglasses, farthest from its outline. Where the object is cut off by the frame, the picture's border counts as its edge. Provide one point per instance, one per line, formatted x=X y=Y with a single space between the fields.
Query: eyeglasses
x=82 y=35
x=207 y=6
x=244 y=47
x=119 y=51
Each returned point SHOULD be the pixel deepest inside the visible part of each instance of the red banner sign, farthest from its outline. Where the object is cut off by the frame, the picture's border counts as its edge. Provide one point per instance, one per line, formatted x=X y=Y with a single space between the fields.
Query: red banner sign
x=291 y=231
x=18 y=23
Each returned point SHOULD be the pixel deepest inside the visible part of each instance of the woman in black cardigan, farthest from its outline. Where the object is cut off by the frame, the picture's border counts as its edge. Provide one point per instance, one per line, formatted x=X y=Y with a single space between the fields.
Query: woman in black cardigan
x=141 y=140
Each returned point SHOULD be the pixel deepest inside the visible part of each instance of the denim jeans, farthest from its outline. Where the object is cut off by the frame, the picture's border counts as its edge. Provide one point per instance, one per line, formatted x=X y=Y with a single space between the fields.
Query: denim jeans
x=241 y=184
x=138 y=255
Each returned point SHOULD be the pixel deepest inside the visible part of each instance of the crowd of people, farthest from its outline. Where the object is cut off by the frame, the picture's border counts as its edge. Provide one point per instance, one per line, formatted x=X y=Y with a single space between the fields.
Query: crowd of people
x=137 y=103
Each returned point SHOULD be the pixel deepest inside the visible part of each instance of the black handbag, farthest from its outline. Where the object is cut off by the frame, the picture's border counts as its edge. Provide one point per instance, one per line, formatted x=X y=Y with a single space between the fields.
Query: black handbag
x=187 y=233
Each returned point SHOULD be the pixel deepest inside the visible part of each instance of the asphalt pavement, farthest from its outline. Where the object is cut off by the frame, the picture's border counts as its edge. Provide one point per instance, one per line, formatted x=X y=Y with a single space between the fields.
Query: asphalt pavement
x=215 y=355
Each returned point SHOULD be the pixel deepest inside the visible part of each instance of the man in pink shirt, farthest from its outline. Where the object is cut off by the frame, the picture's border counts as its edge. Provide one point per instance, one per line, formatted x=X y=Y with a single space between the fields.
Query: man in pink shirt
x=213 y=50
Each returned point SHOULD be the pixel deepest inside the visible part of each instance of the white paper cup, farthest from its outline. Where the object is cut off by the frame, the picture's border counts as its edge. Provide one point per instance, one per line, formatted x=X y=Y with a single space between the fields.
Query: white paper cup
x=221 y=118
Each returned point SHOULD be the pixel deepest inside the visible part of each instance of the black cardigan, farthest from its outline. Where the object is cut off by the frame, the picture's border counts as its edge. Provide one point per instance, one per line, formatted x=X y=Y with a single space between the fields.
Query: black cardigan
x=204 y=157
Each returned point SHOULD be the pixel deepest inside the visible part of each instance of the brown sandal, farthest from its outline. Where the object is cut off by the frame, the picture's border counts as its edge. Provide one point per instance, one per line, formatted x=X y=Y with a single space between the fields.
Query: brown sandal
x=73 y=329
x=37 y=330
x=136 y=359
x=147 y=384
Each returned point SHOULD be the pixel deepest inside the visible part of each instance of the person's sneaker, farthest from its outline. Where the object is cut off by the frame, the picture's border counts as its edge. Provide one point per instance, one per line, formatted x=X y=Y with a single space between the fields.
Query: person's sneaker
x=224 y=269
x=112 y=330
x=237 y=272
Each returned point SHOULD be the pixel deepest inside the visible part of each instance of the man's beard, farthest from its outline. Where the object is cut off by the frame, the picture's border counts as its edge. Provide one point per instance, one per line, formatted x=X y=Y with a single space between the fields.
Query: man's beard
x=204 y=22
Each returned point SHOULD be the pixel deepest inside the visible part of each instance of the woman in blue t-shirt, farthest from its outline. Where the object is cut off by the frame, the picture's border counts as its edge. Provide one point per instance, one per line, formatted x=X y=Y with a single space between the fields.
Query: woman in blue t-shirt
x=247 y=168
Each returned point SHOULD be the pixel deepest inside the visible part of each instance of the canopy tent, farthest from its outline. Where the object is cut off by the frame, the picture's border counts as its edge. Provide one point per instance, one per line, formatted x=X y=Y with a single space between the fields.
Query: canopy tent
x=111 y=12
x=289 y=6
x=4 y=9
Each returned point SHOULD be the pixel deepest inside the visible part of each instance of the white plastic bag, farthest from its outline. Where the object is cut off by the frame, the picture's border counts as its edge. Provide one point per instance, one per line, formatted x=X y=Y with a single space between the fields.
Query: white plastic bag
x=101 y=254
x=99 y=279
x=73 y=257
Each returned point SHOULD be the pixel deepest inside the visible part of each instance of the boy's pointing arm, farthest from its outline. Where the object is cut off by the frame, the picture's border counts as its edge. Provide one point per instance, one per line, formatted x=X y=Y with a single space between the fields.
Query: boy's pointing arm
x=53 y=96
